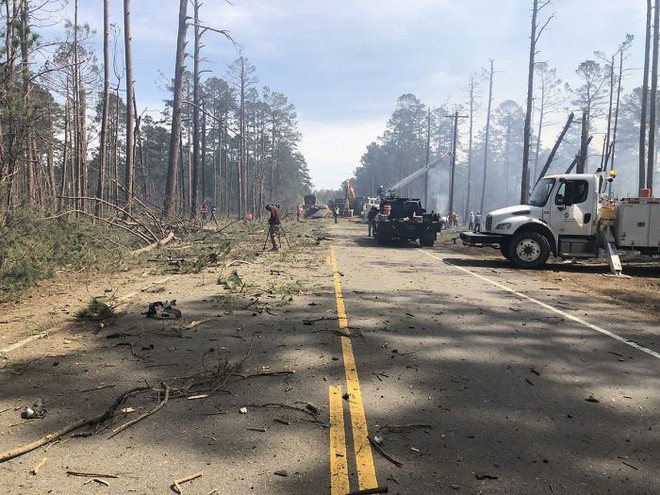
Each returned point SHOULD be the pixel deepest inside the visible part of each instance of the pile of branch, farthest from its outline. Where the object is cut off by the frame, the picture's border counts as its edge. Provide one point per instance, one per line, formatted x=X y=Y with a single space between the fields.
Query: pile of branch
x=139 y=221
x=56 y=435
x=211 y=379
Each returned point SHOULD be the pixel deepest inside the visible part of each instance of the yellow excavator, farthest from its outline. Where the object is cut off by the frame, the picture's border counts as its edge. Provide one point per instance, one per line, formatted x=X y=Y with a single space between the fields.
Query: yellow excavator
x=352 y=204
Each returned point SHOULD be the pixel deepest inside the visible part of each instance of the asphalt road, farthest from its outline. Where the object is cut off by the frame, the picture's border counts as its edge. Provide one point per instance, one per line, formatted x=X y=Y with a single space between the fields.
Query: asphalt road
x=486 y=380
x=358 y=367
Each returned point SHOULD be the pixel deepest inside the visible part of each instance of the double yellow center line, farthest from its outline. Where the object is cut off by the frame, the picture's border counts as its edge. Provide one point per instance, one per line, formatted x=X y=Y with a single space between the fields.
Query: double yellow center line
x=364 y=460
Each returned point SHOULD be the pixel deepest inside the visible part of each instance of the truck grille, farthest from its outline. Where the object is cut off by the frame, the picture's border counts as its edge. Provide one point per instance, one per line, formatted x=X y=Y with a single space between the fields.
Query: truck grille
x=489 y=222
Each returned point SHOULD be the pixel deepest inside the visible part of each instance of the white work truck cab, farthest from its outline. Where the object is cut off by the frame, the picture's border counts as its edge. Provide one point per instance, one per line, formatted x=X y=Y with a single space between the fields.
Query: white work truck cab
x=569 y=216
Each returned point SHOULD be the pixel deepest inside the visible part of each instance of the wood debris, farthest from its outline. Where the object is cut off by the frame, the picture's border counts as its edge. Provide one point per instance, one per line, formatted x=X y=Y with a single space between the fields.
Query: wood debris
x=380 y=450
x=144 y=415
x=176 y=486
x=370 y=491
x=90 y=475
x=35 y=469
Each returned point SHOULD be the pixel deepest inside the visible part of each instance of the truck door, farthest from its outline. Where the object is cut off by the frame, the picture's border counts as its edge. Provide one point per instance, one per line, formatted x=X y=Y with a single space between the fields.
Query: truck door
x=571 y=210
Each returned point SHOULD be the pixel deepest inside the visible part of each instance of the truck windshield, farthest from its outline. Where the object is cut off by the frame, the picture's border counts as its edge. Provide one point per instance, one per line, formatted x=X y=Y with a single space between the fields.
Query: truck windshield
x=541 y=192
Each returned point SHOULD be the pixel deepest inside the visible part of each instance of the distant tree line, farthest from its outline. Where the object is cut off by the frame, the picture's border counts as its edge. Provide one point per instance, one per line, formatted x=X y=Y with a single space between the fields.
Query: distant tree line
x=499 y=163
x=73 y=138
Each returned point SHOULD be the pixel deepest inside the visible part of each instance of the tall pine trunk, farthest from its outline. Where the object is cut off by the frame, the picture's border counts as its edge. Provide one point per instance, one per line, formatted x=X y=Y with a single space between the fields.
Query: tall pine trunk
x=194 y=178
x=175 y=137
x=103 y=153
x=645 y=99
x=527 y=132
x=130 y=115
x=490 y=103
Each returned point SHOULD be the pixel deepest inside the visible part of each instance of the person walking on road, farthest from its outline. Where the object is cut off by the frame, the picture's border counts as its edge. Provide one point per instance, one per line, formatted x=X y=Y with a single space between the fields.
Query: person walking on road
x=471 y=221
x=274 y=226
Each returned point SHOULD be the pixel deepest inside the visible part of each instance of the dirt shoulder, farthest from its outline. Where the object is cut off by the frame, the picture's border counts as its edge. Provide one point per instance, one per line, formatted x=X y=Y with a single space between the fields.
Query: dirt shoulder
x=230 y=374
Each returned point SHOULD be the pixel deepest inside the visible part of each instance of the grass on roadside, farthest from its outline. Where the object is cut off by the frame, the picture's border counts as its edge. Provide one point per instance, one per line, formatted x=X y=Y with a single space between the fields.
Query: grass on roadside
x=95 y=311
x=33 y=249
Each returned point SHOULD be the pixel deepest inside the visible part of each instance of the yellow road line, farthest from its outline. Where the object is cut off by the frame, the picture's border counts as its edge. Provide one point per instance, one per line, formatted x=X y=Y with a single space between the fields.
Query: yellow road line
x=338 y=462
x=364 y=459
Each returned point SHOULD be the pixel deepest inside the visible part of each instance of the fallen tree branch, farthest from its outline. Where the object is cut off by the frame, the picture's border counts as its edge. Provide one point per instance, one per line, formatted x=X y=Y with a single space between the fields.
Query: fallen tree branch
x=229 y=224
x=137 y=234
x=123 y=211
x=235 y=262
x=91 y=475
x=51 y=437
x=160 y=405
x=265 y=373
x=194 y=324
x=175 y=486
x=153 y=246
x=383 y=453
x=288 y=406
x=35 y=469
x=97 y=480
x=29 y=447
x=208 y=380
x=100 y=387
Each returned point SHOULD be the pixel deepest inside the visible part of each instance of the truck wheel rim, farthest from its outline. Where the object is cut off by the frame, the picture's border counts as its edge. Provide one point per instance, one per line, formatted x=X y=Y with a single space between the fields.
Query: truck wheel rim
x=528 y=250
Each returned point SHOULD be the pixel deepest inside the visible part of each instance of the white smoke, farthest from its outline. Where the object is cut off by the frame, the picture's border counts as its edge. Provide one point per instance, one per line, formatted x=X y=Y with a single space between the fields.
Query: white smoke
x=438 y=188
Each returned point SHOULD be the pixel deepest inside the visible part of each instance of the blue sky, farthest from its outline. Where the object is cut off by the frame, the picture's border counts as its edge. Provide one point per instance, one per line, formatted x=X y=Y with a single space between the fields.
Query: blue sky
x=344 y=63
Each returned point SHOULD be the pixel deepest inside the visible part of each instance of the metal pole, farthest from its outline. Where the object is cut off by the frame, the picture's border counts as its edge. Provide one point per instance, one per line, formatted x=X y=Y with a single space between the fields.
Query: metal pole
x=428 y=155
x=453 y=157
x=453 y=164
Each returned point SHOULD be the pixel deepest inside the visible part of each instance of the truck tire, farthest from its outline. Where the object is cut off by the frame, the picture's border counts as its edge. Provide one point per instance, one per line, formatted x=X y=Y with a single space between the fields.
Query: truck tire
x=529 y=250
x=380 y=239
x=427 y=240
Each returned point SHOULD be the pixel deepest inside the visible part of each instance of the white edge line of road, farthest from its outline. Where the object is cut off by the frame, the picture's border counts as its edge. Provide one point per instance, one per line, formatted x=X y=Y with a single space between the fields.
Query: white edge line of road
x=23 y=342
x=51 y=331
x=550 y=308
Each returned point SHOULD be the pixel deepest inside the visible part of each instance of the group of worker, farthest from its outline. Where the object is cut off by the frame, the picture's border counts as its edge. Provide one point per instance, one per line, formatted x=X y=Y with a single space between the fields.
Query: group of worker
x=474 y=221
x=206 y=210
x=452 y=220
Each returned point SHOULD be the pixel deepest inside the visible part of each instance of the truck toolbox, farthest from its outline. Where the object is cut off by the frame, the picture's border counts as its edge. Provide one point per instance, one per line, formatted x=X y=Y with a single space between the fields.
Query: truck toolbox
x=638 y=222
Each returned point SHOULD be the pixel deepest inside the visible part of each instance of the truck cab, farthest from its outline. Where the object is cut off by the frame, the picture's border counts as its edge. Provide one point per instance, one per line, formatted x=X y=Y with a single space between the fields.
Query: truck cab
x=561 y=217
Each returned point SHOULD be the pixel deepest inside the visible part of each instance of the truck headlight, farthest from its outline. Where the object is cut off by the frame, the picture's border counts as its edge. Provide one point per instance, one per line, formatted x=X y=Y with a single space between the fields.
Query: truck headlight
x=503 y=226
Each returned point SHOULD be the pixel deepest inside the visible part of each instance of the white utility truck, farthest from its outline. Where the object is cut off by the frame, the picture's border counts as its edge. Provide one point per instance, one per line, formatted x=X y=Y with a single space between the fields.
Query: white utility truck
x=571 y=216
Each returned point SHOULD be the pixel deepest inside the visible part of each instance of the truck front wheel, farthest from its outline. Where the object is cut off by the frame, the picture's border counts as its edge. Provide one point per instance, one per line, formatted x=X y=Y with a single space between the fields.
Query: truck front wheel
x=529 y=250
